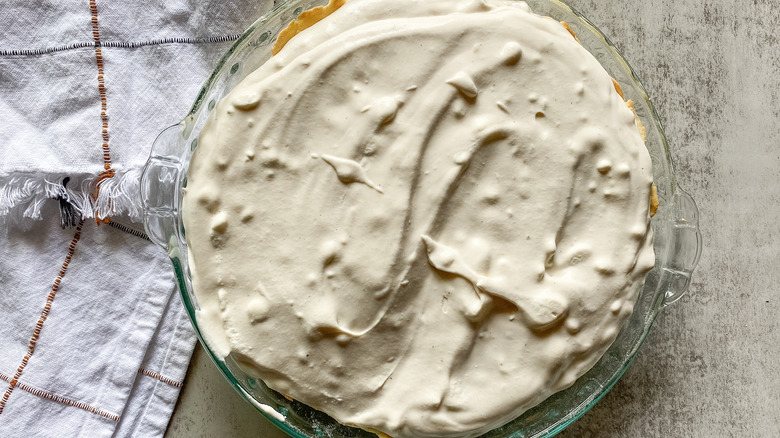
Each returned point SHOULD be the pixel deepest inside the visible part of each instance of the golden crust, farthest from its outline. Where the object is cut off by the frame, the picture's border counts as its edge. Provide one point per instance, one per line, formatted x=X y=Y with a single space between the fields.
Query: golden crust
x=639 y=125
x=304 y=21
x=618 y=88
x=378 y=433
x=566 y=25
x=653 y=200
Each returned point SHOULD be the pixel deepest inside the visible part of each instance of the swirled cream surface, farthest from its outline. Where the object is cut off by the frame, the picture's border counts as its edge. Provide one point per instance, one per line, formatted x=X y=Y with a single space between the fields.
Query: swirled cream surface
x=422 y=217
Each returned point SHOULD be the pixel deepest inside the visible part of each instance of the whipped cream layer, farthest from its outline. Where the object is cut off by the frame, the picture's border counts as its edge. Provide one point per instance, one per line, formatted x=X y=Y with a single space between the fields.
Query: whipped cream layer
x=422 y=217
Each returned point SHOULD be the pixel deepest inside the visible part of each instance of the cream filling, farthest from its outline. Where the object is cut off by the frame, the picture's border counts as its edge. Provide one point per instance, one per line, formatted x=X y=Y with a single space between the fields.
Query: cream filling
x=420 y=217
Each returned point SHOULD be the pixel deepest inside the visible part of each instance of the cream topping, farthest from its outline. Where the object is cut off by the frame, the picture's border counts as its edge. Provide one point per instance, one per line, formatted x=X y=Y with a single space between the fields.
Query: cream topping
x=422 y=217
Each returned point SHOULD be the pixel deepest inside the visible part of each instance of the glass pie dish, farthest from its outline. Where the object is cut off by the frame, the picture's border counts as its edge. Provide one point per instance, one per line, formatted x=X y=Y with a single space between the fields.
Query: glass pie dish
x=677 y=238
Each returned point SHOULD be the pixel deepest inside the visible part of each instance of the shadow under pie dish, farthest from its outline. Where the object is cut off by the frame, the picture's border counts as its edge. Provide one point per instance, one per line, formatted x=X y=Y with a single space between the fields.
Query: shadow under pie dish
x=474 y=281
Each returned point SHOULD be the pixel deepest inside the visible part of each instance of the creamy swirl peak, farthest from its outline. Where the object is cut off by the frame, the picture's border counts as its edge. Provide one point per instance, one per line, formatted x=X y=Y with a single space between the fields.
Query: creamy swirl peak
x=420 y=217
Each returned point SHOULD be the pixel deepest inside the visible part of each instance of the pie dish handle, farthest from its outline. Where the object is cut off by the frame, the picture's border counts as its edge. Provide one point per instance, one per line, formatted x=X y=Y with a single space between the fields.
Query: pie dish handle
x=681 y=246
x=161 y=181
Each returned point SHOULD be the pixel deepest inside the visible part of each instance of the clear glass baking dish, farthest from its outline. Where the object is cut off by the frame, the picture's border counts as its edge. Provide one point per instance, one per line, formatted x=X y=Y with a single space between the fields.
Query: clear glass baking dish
x=677 y=237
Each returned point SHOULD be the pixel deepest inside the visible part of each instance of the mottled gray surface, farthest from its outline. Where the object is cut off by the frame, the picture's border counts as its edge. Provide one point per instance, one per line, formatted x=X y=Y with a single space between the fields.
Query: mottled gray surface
x=710 y=366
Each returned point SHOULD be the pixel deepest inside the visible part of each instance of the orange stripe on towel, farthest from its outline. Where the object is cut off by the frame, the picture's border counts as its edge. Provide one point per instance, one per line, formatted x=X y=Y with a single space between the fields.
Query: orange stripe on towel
x=109 y=173
x=160 y=377
x=63 y=400
x=101 y=84
x=14 y=382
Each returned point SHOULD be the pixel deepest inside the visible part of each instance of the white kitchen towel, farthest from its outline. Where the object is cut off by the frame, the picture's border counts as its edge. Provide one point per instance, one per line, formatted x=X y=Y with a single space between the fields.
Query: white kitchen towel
x=94 y=340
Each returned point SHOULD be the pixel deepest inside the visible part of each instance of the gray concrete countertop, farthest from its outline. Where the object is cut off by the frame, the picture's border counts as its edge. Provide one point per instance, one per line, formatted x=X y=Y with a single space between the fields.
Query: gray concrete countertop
x=710 y=365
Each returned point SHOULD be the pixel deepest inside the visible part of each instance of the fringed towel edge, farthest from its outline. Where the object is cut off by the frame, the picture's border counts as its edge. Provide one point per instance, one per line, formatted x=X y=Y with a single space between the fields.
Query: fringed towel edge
x=22 y=197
